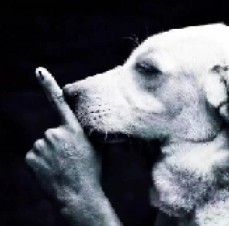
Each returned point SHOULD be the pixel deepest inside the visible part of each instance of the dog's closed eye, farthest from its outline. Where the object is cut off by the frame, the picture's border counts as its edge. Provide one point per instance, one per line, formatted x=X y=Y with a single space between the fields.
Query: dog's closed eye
x=146 y=67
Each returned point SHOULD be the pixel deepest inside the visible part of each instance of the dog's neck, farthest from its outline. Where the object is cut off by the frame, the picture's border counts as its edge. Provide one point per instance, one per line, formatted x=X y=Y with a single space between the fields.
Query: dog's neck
x=219 y=140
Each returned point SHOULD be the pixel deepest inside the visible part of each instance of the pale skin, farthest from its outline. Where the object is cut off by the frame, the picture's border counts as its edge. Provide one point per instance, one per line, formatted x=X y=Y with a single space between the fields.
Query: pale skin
x=67 y=166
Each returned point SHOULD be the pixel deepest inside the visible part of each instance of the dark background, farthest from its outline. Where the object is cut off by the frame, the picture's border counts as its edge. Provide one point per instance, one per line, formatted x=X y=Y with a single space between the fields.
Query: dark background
x=74 y=39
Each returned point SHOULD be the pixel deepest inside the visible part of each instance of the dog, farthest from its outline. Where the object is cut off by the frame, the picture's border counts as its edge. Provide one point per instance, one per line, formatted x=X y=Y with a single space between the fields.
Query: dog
x=173 y=87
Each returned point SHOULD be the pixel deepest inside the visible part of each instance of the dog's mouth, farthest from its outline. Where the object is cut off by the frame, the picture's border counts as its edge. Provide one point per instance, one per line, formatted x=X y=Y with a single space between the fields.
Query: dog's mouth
x=105 y=137
x=100 y=136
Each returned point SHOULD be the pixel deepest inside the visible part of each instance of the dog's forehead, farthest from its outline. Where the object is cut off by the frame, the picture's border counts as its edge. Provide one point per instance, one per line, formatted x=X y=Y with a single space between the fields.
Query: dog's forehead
x=191 y=48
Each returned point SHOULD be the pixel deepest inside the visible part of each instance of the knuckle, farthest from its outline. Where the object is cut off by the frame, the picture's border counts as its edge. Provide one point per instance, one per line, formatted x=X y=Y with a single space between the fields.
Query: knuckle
x=74 y=130
x=53 y=133
x=39 y=144
x=34 y=161
x=30 y=157
x=49 y=133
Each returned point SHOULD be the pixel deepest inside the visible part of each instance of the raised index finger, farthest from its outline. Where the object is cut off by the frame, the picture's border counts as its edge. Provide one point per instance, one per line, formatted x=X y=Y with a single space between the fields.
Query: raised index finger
x=55 y=95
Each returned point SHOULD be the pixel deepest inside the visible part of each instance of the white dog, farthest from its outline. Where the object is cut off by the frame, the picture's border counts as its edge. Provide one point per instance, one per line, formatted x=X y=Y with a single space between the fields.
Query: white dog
x=173 y=87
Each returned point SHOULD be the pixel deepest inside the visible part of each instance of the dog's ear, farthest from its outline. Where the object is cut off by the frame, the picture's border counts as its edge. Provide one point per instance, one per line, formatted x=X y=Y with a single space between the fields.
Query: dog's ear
x=216 y=86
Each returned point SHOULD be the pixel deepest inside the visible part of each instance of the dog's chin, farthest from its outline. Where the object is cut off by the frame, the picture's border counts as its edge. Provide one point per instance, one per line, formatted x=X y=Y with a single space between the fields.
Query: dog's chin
x=105 y=137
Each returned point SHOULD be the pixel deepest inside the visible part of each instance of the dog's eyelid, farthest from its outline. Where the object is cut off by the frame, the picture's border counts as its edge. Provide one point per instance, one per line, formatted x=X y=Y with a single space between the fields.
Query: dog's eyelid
x=219 y=68
x=146 y=67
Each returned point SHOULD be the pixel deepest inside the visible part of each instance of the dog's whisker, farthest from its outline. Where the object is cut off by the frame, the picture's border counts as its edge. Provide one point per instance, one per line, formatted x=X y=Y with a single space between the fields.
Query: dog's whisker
x=106 y=135
x=134 y=39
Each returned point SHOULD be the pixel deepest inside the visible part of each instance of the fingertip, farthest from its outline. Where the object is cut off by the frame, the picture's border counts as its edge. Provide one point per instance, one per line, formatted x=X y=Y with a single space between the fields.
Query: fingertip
x=29 y=157
x=40 y=70
x=41 y=73
x=54 y=94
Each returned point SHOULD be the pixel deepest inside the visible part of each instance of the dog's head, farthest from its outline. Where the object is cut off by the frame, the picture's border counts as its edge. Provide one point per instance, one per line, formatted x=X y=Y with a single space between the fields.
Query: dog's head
x=169 y=87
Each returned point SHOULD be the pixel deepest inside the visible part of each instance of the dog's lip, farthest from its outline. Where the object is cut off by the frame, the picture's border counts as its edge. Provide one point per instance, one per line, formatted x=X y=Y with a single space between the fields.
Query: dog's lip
x=108 y=137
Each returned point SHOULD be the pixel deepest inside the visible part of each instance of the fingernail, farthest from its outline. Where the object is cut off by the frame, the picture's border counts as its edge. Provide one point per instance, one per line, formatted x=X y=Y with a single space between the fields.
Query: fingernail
x=40 y=75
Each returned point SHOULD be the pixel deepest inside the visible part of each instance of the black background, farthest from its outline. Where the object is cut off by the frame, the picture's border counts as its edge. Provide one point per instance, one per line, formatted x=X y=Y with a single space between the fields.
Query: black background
x=74 y=39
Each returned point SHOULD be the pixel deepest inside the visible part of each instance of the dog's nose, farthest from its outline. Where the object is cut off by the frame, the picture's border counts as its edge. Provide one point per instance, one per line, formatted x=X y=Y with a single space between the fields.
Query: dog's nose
x=70 y=90
x=79 y=88
x=71 y=94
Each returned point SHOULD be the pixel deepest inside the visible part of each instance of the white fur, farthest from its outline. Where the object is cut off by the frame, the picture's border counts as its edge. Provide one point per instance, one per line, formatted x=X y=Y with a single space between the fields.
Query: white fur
x=180 y=105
